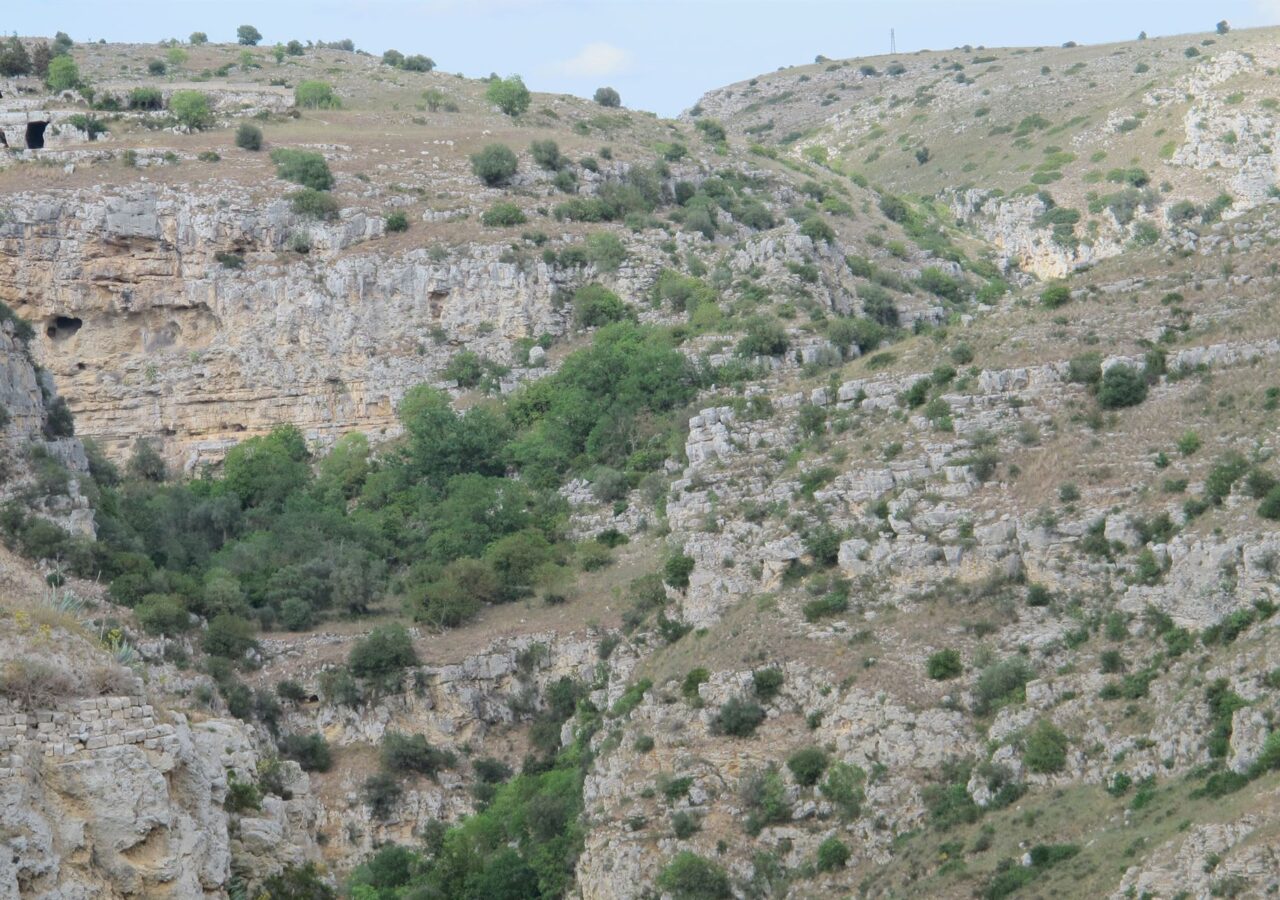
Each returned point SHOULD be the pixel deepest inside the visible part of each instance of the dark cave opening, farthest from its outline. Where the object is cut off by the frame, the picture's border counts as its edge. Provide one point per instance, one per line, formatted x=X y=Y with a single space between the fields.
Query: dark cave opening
x=60 y=328
x=35 y=134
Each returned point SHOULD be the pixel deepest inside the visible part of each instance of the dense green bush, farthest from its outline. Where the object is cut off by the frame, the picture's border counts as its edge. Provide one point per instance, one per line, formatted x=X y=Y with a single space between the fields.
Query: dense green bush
x=494 y=164
x=248 y=137
x=807 y=765
x=315 y=204
x=382 y=654
x=595 y=305
x=229 y=636
x=764 y=337
x=303 y=167
x=608 y=97
x=690 y=877
x=503 y=214
x=397 y=221
x=508 y=94
x=1121 y=386
x=311 y=751
x=63 y=75
x=677 y=569
x=944 y=664
x=381 y=793
x=191 y=108
x=1045 y=748
x=146 y=98
x=1055 y=295
x=315 y=95
x=738 y=717
x=411 y=754
x=1000 y=683
x=843 y=787
x=832 y=854
x=767 y=683
x=163 y=614
x=248 y=36
x=547 y=154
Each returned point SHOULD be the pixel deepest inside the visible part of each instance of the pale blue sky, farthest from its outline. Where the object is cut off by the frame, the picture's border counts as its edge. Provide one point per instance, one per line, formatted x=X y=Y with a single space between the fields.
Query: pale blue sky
x=660 y=54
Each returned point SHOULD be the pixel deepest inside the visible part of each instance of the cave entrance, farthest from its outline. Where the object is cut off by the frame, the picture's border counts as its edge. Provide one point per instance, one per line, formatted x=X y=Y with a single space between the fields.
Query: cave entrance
x=35 y=135
x=60 y=328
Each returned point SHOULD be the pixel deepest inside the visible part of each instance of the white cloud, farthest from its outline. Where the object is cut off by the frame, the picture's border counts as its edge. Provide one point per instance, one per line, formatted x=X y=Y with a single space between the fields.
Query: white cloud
x=596 y=60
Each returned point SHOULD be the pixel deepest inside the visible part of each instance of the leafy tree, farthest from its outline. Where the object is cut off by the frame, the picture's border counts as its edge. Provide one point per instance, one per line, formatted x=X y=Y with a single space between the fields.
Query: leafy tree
x=410 y=753
x=764 y=337
x=265 y=471
x=677 y=569
x=297 y=883
x=508 y=94
x=64 y=74
x=494 y=164
x=163 y=614
x=248 y=36
x=608 y=97
x=418 y=63
x=14 y=58
x=228 y=636
x=315 y=95
x=191 y=108
x=546 y=154
x=198 y=38
x=393 y=58
x=1223 y=27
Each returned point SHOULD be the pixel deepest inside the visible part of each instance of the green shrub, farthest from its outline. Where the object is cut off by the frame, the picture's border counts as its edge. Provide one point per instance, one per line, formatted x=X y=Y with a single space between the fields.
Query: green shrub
x=817 y=230
x=242 y=796
x=1045 y=748
x=595 y=305
x=608 y=97
x=764 y=337
x=311 y=751
x=503 y=214
x=411 y=753
x=685 y=824
x=508 y=94
x=677 y=569
x=606 y=251
x=832 y=855
x=146 y=98
x=163 y=614
x=1121 y=386
x=228 y=636
x=494 y=164
x=315 y=95
x=303 y=167
x=767 y=683
x=1001 y=683
x=1270 y=506
x=298 y=883
x=807 y=765
x=397 y=221
x=1055 y=295
x=944 y=664
x=690 y=877
x=381 y=793
x=248 y=137
x=385 y=652
x=547 y=154
x=1038 y=595
x=692 y=681
x=313 y=203
x=191 y=108
x=843 y=788
x=738 y=718
x=248 y=36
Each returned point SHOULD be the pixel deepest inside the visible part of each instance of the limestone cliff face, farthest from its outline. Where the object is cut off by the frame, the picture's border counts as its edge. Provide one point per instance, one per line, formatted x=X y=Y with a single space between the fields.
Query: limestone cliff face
x=147 y=333
x=110 y=797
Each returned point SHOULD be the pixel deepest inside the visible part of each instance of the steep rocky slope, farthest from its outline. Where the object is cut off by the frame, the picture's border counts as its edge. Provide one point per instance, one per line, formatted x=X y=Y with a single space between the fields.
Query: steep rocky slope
x=956 y=583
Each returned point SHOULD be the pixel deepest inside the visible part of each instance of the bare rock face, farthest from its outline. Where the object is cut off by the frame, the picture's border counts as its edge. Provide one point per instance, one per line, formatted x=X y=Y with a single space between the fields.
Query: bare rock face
x=147 y=333
x=109 y=798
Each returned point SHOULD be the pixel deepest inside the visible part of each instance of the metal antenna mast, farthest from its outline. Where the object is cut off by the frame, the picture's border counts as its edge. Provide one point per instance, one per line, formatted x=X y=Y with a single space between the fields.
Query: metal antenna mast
x=893 y=42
